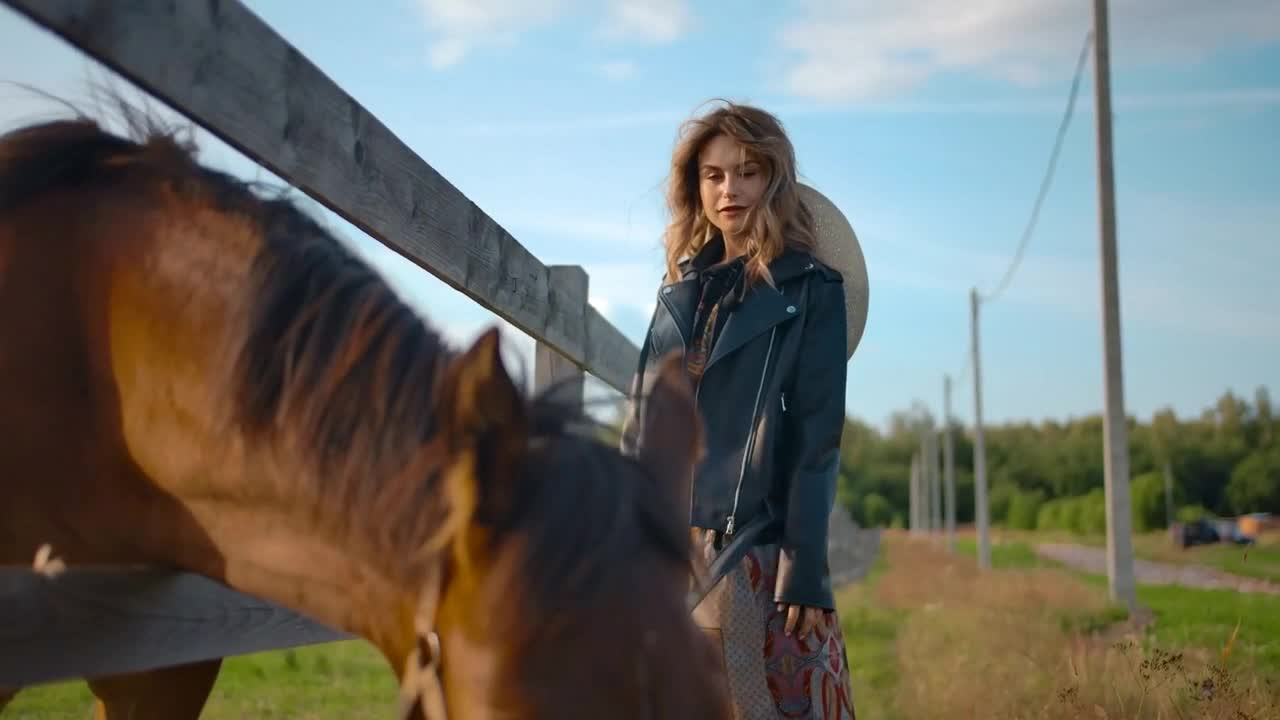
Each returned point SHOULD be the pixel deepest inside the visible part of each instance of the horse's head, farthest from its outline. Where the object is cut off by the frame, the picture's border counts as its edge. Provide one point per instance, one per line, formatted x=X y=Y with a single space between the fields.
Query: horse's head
x=564 y=592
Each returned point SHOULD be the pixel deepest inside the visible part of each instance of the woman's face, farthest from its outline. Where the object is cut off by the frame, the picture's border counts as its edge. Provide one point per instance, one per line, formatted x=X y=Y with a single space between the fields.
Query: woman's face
x=730 y=182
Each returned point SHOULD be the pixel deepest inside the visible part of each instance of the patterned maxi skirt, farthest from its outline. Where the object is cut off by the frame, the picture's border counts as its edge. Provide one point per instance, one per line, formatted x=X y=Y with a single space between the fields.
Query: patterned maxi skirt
x=772 y=676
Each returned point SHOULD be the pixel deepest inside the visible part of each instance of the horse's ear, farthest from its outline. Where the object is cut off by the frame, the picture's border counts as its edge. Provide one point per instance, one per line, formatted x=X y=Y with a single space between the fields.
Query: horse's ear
x=483 y=425
x=670 y=440
x=478 y=397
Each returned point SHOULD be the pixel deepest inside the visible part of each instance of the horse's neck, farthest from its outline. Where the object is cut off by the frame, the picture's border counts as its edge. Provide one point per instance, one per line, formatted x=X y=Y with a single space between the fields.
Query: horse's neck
x=281 y=548
x=244 y=511
x=273 y=554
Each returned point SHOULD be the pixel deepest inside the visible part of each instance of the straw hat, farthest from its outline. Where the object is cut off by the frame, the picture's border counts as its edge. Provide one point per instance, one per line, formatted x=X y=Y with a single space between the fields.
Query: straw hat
x=838 y=248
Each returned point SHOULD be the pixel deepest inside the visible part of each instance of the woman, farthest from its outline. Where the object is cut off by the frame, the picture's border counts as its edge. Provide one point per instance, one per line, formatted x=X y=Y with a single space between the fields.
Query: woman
x=762 y=324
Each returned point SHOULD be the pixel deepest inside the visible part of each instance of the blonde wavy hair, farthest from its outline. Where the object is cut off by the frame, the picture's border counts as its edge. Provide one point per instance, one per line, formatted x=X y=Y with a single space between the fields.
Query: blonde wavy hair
x=780 y=220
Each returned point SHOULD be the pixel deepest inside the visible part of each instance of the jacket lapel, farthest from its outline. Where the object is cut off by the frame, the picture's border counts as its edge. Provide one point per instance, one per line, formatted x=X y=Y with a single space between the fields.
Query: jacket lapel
x=761 y=310
x=680 y=300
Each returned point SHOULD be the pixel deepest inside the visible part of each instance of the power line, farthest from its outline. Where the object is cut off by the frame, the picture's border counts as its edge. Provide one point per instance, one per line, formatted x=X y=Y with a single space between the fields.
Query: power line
x=1048 y=177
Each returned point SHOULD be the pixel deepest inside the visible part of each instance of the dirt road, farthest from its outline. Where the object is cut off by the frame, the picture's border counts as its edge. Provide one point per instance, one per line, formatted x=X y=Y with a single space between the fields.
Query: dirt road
x=1092 y=559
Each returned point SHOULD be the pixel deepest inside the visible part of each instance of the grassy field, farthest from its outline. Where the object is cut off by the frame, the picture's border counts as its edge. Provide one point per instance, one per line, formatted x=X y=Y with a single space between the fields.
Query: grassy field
x=1260 y=561
x=1033 y=640
x=928 y=638
x=1184 y=617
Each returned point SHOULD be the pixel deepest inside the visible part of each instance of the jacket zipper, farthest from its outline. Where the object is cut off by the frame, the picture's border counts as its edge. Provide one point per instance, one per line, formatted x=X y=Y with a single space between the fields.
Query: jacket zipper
x=751 y=438
x=698 y=412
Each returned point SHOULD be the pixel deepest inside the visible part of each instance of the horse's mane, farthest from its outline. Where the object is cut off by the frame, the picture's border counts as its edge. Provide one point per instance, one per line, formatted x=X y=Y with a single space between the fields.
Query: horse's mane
x=335 y=364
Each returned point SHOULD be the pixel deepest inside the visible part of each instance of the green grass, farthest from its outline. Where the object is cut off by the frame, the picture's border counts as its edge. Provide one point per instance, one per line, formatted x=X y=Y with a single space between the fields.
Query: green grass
x=1089 y=622
x=1257 y=562
x=870 y=632
x=1006 y=555
x=1185 y=617
x=1205 y=619
x=348 y=680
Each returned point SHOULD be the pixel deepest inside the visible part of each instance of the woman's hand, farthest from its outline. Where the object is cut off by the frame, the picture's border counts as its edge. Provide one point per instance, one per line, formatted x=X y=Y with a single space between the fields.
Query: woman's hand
x=805 y=616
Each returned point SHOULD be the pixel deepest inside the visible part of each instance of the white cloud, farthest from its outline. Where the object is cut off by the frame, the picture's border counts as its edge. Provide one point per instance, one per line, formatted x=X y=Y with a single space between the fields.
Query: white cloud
x=617 y=70
x=857 y=49
x=656 y=21
x=462 y=25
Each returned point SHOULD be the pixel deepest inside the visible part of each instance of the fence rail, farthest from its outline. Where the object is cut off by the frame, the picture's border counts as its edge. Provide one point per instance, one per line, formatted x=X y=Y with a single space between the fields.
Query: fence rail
x=224 y=68
x=91 y=621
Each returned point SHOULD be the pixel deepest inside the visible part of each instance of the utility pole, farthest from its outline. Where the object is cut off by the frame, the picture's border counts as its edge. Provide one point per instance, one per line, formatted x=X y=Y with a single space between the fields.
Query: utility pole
x=913 y=513
x=980 y=509
x=1115 y=432
x=935 y=482
x=924 y=493
x=926 y=480
x=948 y=463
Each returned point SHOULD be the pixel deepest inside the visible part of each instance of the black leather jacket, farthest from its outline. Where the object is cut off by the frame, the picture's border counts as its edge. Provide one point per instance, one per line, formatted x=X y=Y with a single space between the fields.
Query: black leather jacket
x=771 y=400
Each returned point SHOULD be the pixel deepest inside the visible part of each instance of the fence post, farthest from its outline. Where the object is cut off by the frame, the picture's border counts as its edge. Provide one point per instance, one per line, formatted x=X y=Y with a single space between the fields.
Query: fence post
x=551 y=370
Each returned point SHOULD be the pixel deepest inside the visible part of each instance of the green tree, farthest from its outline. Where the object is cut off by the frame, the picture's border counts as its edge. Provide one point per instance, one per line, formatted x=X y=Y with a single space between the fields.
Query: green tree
x=1222 y=461
x=1147 y=501
x=1265 y=421
x=1255 y=482
x=876 y=511
x=1024 y=507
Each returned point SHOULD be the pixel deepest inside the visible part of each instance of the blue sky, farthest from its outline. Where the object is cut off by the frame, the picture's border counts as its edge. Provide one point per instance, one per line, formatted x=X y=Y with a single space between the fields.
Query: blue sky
x=928 y=121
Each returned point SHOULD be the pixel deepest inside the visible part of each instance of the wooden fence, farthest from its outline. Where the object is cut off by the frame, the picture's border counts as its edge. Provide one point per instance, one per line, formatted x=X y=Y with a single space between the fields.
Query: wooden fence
x=225 y=69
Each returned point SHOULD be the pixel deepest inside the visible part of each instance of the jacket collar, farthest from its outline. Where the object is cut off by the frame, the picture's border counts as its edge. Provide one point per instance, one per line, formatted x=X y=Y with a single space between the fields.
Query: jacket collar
x=787 y=266
x=763 y=307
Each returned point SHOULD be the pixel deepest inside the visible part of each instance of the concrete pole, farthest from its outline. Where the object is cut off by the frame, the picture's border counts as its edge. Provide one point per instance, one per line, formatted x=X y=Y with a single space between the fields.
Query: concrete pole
x=935 y=482
x=1115 y=432
x=913 y=513
x=980 y=507
x=948 y=463
x=926 y=512
x=924 y=483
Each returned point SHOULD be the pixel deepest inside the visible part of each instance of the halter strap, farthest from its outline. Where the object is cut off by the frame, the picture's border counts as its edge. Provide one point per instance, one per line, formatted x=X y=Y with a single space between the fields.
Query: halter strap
x=421 y=689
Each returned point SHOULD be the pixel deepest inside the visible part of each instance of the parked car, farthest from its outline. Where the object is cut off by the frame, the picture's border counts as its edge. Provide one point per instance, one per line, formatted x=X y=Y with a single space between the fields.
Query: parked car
x=1209 y=530
x=1199 y=532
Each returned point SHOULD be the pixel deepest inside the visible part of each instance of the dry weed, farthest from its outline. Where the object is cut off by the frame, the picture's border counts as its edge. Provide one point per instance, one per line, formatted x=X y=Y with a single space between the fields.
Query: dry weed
x=1001 y=645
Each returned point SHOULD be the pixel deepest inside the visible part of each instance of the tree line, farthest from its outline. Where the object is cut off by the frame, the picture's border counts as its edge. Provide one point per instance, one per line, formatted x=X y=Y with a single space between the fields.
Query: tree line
x=1050 y=475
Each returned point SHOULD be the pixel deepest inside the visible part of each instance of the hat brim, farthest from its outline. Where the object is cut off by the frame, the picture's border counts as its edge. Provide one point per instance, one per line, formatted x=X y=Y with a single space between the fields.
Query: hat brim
x=838 y=249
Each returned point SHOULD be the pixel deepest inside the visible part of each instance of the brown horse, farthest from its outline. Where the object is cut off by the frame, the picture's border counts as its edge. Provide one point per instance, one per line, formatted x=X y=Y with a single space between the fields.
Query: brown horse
x=200 y=377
